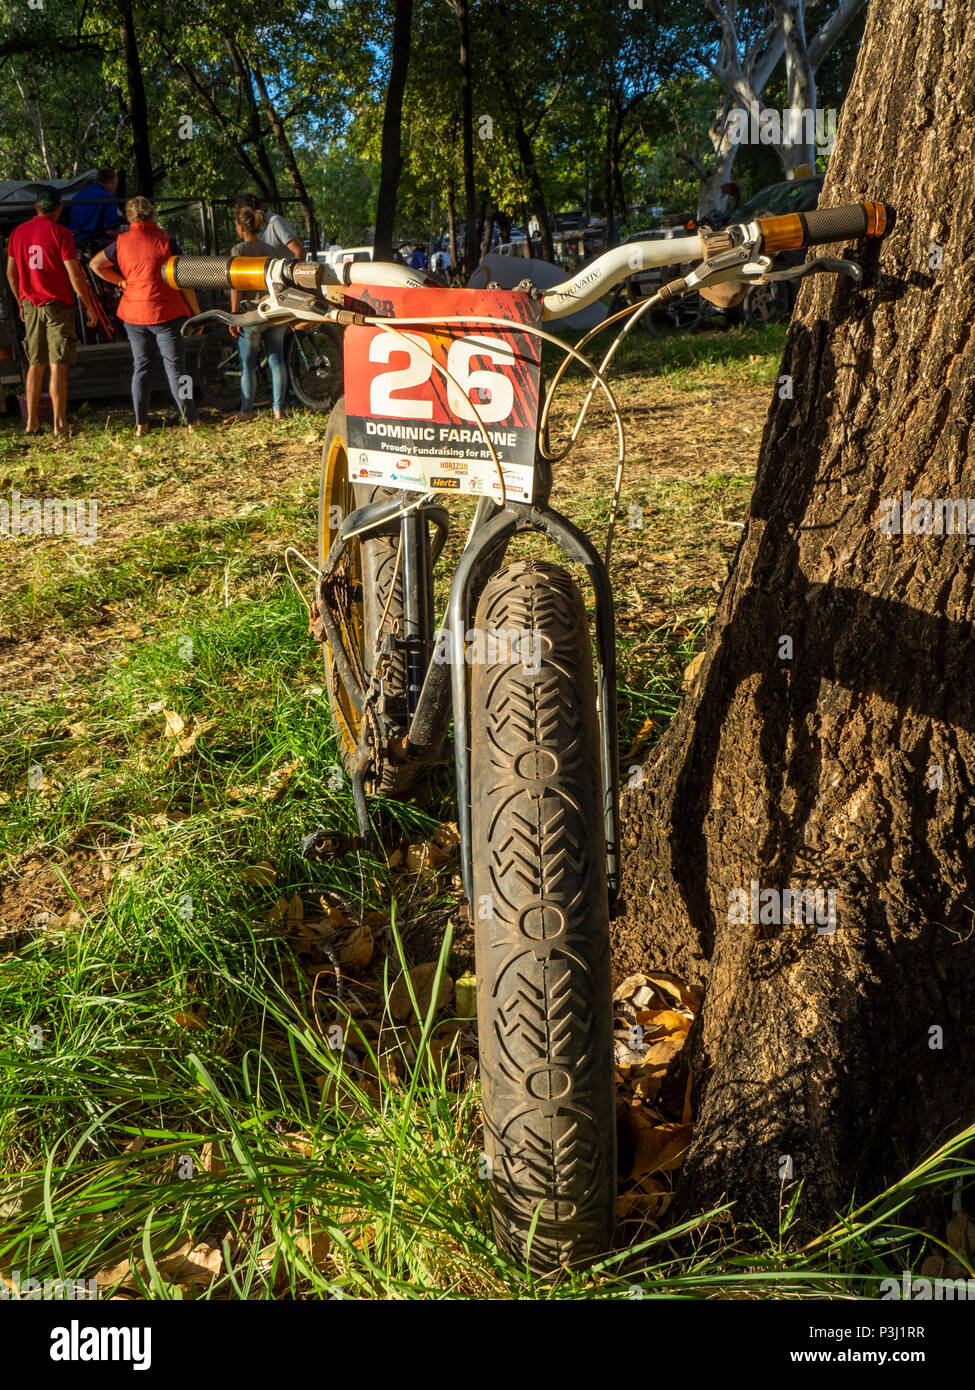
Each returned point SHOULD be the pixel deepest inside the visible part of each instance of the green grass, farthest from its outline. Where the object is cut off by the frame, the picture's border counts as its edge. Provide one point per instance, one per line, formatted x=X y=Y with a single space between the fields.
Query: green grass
x=168 y=1056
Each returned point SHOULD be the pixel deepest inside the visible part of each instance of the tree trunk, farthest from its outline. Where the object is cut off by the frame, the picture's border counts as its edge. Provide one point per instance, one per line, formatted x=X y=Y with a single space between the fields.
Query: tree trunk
x=138 y=110
x=526 y=152
x=710 y=198
x=467 y=121
x=276 y=122
x=609 y=187
x=490 y=212
x=391 y=150
x=828 y=742
x=255 y=131
x=452 y=222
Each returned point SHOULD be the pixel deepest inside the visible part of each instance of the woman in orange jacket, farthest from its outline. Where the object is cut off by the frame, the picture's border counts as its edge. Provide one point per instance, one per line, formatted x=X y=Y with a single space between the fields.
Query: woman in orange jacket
x=152 y=312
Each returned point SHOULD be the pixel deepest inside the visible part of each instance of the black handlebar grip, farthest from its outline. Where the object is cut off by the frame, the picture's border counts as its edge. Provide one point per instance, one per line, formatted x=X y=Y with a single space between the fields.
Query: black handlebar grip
x=198 y=272
x=848 y=222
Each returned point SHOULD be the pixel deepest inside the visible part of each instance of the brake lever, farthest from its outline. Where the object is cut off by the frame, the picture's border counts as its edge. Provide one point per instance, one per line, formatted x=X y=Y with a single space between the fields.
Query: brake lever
x=821 y=265
x=245 y=320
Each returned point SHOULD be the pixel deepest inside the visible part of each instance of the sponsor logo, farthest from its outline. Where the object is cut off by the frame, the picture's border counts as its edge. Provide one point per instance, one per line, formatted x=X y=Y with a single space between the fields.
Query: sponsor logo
x=445 y=482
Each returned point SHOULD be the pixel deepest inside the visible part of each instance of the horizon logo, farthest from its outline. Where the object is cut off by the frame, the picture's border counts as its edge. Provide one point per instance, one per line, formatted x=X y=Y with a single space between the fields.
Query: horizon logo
x=76 y=1343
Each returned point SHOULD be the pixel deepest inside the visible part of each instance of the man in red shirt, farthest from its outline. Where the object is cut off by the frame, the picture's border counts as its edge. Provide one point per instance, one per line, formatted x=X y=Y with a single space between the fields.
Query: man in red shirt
x=43 y=270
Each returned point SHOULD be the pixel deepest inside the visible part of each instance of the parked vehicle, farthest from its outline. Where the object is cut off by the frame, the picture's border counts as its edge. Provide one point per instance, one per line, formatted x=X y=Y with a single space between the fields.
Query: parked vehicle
x=534 y=733
x=680 y=315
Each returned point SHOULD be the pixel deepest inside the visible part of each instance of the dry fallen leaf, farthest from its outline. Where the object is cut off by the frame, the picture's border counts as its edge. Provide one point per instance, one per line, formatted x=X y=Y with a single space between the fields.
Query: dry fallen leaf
x=183 y=1264
x=174 y=724
x=263 y=874
x=660 y=1147
x=422 y=978
x=691 y=670
x=200 y=1265
x=670 y=985
x=315 y=1247
x=187 y=741
x=356 y=953
x=191 y=1018
x=641 y=741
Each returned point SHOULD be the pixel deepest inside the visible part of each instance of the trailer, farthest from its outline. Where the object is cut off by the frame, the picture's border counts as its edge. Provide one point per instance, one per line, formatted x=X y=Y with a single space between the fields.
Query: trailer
x=103 y=369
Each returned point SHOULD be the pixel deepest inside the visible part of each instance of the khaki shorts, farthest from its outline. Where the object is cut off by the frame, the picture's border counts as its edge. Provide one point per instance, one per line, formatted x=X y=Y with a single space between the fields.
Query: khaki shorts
x=50 y=336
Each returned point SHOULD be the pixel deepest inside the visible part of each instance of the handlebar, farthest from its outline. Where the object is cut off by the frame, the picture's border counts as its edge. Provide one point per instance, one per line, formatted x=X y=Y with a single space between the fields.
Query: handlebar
x=744 y=243
x=848 y=222
x=261 y=273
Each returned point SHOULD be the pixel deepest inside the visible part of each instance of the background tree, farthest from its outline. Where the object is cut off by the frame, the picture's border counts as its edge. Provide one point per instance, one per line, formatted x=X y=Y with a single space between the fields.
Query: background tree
x=392 y=144
x=829 y=738
x=752 y=39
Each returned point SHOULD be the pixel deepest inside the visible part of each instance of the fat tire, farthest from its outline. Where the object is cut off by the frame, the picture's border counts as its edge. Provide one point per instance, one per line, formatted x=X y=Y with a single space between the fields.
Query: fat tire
x=543 y=956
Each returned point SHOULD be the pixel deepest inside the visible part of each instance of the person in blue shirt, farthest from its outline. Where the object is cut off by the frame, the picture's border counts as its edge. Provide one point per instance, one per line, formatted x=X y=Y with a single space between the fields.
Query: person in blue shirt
x=93 y=213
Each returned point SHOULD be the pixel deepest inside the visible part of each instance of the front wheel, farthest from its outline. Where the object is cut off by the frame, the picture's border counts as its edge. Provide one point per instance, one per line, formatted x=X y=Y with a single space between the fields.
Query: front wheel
x=541 y=916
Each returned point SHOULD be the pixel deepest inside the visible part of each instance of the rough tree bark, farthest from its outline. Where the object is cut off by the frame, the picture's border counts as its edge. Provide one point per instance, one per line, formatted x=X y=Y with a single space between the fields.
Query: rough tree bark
x=849 y=765
x=391 y=151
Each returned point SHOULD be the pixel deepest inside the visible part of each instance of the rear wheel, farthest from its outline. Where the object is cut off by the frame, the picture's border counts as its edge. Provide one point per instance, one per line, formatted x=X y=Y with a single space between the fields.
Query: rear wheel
x=542 y=921
x=368 y=593
x=314 y=361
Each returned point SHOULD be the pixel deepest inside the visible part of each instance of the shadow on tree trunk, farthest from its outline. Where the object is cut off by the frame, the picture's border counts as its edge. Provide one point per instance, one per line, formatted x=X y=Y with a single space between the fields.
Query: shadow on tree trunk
x=827 y=745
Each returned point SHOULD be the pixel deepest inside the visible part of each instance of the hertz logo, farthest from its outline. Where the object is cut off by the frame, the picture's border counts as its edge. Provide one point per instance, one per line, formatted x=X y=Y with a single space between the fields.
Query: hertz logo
x=445 y=482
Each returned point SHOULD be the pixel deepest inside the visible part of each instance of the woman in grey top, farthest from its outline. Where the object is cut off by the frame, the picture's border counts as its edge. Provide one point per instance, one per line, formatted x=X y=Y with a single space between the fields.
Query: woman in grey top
x=250 y=228
x=277 y=231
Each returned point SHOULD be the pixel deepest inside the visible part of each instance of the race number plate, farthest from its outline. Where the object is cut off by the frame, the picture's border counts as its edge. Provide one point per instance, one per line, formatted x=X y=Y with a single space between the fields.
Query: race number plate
x=408 y=426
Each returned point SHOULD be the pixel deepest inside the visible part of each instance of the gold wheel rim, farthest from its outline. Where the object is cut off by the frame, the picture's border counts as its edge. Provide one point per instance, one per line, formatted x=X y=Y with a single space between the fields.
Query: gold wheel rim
x=338 y=501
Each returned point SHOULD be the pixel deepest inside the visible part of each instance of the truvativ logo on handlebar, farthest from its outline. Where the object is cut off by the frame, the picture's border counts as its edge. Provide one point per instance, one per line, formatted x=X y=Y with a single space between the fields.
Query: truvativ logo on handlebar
x=416 y=428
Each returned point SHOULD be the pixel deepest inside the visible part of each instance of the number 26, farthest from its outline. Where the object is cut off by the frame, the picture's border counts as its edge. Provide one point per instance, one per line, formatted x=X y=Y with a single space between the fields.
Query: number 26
x=459 y=357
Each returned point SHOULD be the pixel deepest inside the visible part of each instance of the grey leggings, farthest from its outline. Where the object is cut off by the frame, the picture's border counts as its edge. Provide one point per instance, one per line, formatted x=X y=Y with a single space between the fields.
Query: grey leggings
x=166 y=337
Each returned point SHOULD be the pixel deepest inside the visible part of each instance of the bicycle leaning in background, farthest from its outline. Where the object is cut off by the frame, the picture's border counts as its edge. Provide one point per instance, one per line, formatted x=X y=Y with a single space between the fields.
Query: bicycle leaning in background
x=443 y=398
